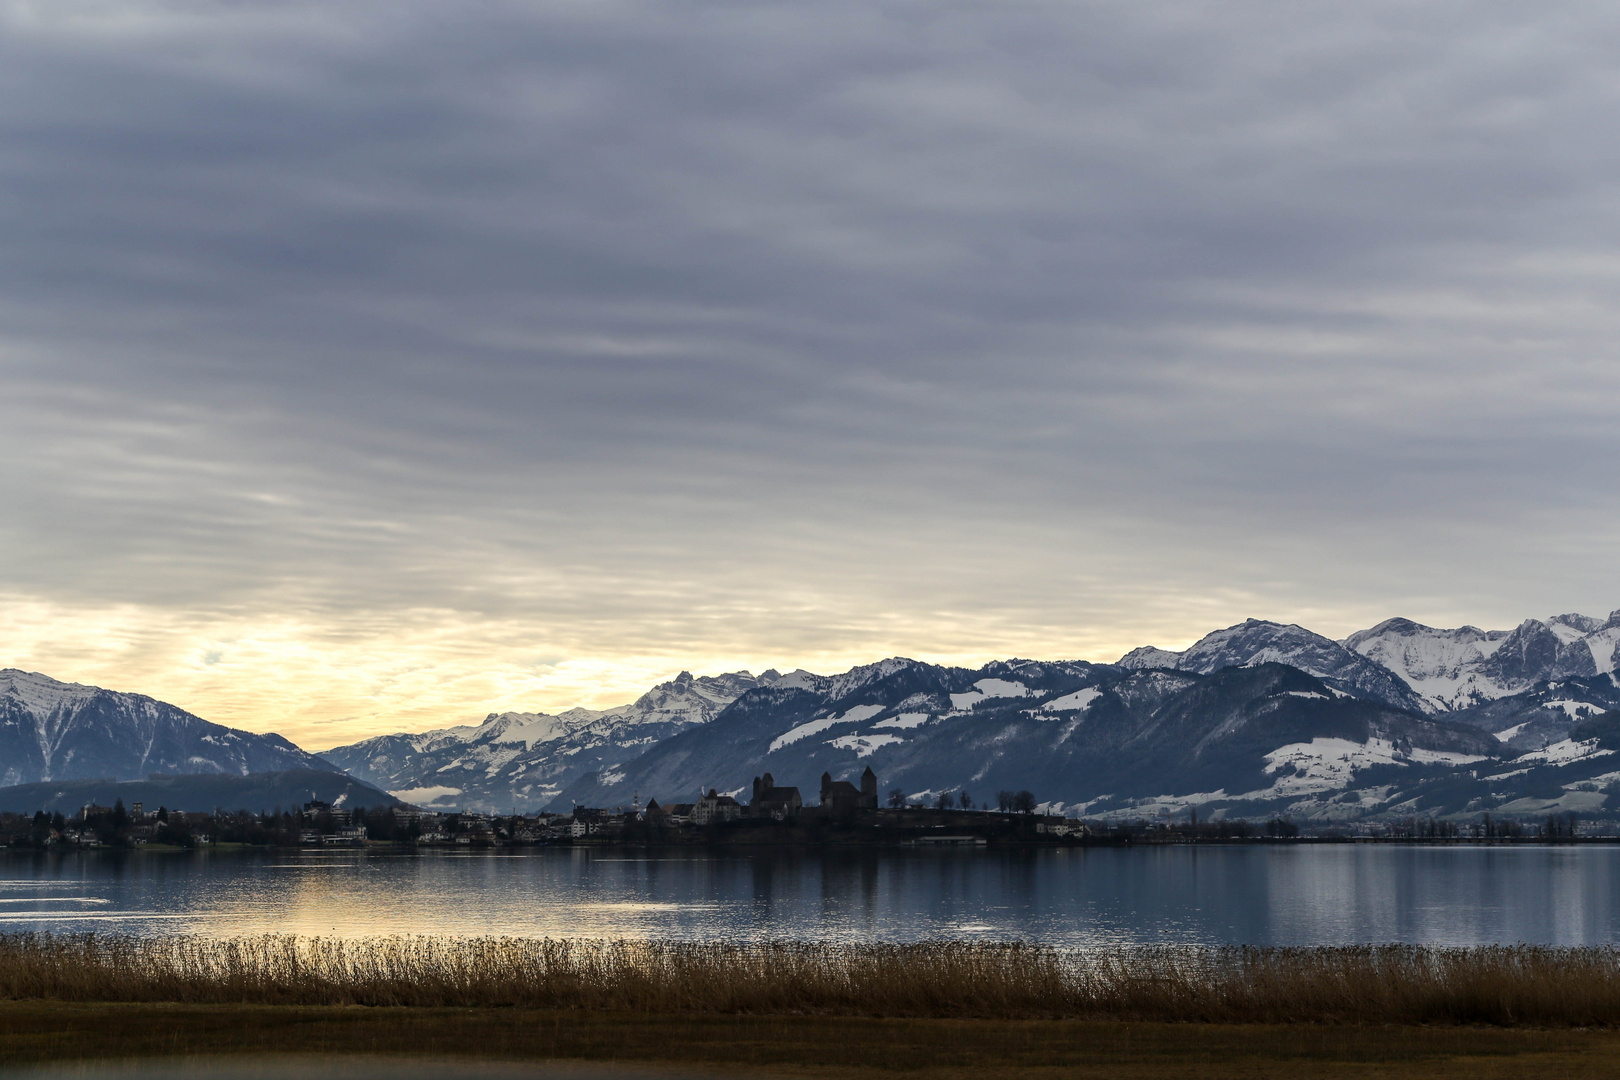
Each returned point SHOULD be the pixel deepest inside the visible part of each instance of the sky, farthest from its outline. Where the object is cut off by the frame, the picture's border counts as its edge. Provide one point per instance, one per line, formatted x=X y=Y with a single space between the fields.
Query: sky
x=371 y=366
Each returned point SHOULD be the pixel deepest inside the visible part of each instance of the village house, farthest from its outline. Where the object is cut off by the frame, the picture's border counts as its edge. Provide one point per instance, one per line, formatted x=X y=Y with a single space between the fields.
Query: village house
x=715 y=807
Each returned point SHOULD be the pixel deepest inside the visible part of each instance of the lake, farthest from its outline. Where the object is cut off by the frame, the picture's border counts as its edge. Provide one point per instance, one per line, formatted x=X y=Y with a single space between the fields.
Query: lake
x=1304 y=894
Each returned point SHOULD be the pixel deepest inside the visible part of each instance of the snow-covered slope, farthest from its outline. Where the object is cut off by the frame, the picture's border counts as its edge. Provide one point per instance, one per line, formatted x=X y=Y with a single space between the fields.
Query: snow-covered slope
x=523 y=760
x=1102 y=741
x=1544 y=714
x=1257 y=641
x=52 y=730
x=1443 y=666
x=1250 y=739
x=1466 y=667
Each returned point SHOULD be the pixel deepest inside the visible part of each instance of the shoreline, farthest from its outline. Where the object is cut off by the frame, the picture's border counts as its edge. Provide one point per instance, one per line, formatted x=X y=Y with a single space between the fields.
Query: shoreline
x=723 y=843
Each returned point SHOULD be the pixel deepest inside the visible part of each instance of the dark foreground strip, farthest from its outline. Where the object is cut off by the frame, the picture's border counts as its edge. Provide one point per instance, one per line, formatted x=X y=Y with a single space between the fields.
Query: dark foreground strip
x=33 y=1032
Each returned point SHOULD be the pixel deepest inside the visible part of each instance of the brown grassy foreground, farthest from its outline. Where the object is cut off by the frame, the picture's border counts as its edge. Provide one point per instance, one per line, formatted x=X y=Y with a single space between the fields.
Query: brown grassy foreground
x=827 y=1048
x=1518 y=985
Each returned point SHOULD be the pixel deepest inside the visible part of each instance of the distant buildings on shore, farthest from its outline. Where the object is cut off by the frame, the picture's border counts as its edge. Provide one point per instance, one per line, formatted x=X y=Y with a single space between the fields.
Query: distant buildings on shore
x=773 y=813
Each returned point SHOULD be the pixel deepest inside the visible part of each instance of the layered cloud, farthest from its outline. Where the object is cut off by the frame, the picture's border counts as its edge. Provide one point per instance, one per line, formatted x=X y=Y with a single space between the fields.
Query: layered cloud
x=505 y=337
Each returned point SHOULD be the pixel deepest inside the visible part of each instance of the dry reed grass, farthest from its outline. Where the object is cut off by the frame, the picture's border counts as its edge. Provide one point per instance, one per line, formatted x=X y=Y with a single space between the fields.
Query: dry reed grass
x=1507 y=985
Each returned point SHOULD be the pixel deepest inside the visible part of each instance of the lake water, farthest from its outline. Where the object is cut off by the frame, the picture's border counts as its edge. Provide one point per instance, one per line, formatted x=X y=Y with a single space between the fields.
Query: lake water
x=1286 y=895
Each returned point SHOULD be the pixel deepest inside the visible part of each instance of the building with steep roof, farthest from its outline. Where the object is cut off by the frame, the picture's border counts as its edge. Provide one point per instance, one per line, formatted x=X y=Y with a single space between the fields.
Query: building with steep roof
x=775 y=802
x=715 y=807
x=843 y=797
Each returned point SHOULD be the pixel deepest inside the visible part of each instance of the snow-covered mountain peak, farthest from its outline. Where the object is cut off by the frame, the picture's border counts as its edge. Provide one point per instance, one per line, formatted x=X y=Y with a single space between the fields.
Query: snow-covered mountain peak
x=1149 y=656
x=1574 y=625
x=798 y=679
x=839 y=686
x=1409 y=629
x=52 y=730
x=1260 y=641
x=530 y=728
x=1466 y=667
x=1441 y=665
x=41 y=694
x=688 y=699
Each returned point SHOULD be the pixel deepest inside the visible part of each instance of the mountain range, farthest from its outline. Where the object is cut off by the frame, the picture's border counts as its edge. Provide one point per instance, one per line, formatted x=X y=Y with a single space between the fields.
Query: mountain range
x=1397 y=709
x=1255 y=719
x=517 y=759
x=1466 y=667
x=1098 y=739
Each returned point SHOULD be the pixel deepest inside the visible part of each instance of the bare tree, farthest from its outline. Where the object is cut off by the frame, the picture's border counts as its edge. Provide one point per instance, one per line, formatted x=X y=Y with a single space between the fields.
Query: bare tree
x=897 y=799
x=965 y=801
x=945 y=800
x=1024 y=802
x=1004 y=801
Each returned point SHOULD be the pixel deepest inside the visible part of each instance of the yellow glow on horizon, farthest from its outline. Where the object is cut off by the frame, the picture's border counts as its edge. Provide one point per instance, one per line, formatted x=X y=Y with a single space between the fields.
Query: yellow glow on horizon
x=327 y=681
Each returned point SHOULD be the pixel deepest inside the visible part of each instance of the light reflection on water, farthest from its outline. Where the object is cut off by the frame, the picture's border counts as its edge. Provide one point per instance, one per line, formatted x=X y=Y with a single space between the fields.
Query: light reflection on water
x=1307 y=894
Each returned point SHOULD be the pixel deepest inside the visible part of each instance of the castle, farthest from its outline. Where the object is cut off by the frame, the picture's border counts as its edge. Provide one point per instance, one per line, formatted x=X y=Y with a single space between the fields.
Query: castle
x=843 y=797
x=837 y=797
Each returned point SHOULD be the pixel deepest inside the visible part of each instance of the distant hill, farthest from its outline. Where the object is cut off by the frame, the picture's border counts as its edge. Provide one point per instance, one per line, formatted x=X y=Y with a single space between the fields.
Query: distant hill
x=288 y=789
x=51 y=730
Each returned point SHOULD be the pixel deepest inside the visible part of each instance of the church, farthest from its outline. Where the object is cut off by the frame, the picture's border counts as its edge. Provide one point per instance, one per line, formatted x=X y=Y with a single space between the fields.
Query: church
x=772 y=801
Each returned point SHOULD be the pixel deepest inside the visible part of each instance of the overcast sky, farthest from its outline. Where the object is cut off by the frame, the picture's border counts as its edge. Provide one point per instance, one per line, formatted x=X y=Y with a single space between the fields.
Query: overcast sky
x=375 y=365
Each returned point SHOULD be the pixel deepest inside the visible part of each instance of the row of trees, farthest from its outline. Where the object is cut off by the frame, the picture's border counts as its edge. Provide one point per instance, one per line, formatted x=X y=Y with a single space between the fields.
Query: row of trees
x=117 y=827
x=1555 y=827
x=110 y=826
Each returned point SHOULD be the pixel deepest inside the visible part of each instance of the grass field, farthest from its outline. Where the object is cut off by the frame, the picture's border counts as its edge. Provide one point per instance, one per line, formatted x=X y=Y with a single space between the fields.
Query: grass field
x=1517 y=985
x=943 y=1009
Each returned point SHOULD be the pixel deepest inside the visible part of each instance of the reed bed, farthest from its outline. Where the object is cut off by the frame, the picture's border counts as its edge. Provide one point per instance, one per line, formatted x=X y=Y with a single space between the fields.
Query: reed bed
x=1506 y=985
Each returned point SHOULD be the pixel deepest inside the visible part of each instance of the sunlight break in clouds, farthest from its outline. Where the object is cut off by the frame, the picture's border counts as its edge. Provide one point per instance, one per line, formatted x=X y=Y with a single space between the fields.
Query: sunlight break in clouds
x=325 y=684
x=371 y=366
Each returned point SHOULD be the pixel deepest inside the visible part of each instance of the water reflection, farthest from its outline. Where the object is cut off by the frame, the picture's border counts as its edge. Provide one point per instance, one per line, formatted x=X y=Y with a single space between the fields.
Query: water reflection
x=1312 y=894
